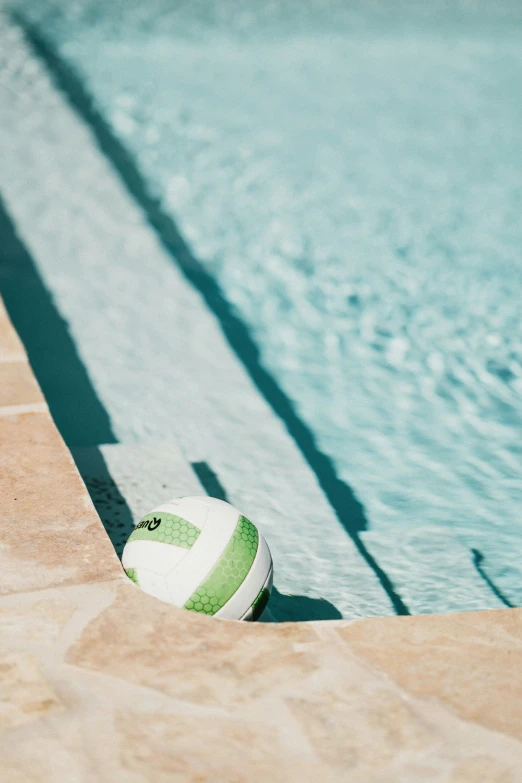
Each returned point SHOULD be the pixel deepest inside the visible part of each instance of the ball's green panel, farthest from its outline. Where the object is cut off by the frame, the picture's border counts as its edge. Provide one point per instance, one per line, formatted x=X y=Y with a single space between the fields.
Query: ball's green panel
x=131 y=573
x=167 y=528
x=258 y=607
x=229 y=572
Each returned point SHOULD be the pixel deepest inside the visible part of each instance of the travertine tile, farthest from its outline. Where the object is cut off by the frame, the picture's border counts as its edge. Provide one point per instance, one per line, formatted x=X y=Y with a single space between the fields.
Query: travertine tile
x=50 y=719
x=180 y=748
x=151 y=643
x=278 y=687
x=51 y=533
x=180 y=698
x=359 y=726
x=25 y=695
x=484 y=769
x=472 y=662
x=11 y=348
x=18 y=385
x=34 y=618
x=45 y=758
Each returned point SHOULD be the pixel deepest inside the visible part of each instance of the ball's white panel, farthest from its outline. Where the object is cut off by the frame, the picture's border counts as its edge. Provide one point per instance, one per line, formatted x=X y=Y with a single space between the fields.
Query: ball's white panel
x=207 y=550
x=157 y=557
x=193 y=509
x=170 y=506
x=153 y=584
x=255 y=580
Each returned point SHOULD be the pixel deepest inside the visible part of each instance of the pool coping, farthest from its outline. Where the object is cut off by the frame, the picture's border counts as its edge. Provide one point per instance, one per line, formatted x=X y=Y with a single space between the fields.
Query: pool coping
x=178 y=696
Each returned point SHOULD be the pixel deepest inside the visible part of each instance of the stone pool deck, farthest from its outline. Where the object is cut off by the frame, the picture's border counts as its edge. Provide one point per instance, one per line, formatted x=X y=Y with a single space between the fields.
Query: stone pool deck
x=99 y=682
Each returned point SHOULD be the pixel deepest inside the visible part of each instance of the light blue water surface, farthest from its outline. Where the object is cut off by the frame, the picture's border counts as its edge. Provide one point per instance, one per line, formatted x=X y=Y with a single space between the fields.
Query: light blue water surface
x=352 y=175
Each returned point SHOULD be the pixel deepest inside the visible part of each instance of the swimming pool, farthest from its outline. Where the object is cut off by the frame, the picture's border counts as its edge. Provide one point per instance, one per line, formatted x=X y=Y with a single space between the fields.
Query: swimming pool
x=287 y=248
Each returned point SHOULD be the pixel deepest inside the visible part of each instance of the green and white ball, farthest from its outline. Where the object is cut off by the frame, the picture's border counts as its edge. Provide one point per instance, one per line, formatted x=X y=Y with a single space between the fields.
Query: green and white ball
x=202 y=554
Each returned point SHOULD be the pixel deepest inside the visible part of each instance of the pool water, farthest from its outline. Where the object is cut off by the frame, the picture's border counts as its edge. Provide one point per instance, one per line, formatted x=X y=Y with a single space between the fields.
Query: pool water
x=321 y=312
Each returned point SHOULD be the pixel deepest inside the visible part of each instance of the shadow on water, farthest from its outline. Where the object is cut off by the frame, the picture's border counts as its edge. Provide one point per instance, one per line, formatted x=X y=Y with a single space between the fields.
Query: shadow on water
x=106 y=496
x=478 y=562
x=70 y=394
x=209 y=481
x=76 y=409
x=342 y=499
x=298 y=608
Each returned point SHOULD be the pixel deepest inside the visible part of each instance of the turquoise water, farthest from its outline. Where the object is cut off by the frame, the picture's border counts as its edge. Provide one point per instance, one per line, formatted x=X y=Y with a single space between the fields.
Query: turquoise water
x=350 y=175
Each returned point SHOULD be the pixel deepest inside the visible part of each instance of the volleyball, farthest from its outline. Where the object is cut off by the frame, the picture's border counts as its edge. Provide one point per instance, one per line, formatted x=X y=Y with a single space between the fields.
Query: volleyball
x=201 y=554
